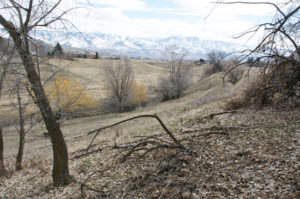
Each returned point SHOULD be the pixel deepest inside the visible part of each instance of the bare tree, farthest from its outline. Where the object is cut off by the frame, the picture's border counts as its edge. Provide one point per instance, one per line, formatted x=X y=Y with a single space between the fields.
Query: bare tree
x=215 y=58
x=23 y=126
x=178 y=76
x=19 y=19
x=279 y=50
x=3 y=171
x=119 y=77
x=4 y=68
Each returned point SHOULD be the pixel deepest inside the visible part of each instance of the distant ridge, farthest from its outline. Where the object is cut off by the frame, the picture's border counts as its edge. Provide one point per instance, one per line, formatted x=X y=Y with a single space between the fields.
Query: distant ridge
x=133 y=46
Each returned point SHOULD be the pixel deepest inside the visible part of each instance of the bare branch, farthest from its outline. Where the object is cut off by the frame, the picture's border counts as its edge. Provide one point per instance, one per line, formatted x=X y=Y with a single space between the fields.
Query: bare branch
x=257 y=3
x=97 y=131
x=28 y=14
x=45 y=15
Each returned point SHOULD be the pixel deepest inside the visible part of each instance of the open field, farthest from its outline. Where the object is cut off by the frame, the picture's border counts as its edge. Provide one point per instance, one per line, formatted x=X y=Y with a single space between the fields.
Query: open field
x=89 y=73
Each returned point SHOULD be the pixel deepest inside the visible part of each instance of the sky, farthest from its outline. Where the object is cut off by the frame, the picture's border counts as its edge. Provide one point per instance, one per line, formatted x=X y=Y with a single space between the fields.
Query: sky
x=163 y=18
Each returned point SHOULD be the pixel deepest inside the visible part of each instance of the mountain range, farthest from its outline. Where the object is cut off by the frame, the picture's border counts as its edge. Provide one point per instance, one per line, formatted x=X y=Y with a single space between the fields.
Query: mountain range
x=133 y=46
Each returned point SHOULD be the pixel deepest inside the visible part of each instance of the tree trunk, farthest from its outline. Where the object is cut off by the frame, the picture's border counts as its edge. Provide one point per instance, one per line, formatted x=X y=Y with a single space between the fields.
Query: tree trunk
x=60 y=173
x=3 y=171
x=21 y=150
x=21 y=130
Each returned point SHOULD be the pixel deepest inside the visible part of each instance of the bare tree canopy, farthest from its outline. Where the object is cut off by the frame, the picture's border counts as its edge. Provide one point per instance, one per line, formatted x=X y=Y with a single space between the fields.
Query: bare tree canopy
x=279 y=50
x=215 y=58
x=119 y=77
x=281 y=35
x=178 y=75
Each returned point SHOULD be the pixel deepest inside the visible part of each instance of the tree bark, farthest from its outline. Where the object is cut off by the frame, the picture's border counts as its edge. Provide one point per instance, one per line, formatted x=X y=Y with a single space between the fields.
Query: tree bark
x=3 y=171
x=21 y=150
x=60 y=173
x=22 y=129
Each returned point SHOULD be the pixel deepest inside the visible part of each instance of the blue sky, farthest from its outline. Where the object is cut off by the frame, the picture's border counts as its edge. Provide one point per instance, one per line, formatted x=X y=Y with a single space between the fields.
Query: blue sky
x=163 y=18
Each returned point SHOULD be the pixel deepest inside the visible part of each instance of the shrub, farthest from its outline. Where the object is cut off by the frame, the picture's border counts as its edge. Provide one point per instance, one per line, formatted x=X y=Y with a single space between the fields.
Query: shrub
x=279 y=87
x=215 y=58
x=234 y=71
x=234 y=75
x=68 y=95
x=140 y=94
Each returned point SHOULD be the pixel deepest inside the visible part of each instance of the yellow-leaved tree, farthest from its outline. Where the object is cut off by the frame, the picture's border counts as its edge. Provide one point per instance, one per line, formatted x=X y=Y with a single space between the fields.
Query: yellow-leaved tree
x=67 y=94
x=140 y=94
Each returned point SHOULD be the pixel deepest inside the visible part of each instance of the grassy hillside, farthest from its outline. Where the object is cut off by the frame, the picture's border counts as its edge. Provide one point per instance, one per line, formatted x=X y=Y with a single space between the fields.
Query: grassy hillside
x=89 y=73
x=247 y=154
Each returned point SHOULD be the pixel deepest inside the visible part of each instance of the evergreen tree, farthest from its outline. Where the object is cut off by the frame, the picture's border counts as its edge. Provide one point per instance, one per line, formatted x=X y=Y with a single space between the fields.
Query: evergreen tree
x=58 y=50
x=97 y=55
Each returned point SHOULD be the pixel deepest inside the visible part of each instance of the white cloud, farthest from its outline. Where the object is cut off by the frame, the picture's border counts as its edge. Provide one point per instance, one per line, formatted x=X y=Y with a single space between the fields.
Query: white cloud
x=110 y=16
x=206 y=7
x=128 y=5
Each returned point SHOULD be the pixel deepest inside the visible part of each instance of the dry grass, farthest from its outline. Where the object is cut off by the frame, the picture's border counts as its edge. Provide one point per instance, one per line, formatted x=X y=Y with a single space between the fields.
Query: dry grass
x=260 y=158
x=259 y=161
x=89 y=73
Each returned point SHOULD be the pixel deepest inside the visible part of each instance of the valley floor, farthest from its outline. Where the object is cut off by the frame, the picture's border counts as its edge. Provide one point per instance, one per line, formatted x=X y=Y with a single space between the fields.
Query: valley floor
x=243 y=154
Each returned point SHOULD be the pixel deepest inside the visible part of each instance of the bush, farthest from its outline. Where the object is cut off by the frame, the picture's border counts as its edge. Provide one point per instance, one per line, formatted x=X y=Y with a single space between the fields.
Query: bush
x=279 y=88
x=140 y=94
x=235 y=75
x=68 y=95
x=216 y=61
x=215 y=58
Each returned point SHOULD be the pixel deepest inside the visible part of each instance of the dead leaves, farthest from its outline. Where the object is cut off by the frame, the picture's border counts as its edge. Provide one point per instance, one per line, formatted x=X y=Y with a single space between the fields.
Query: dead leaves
x=239 y=162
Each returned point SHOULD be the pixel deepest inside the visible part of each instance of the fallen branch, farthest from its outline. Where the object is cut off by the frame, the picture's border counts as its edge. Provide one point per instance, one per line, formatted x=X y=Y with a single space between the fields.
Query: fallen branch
x=97 y=131
x=84 y=187
x=141 y=146
x=217 y=128
x=123 y=146
x=207 y=134
x=211 y=116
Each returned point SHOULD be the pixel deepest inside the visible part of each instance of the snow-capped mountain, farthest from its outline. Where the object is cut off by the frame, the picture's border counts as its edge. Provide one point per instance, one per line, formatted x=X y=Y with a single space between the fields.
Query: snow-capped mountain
x=133 y=46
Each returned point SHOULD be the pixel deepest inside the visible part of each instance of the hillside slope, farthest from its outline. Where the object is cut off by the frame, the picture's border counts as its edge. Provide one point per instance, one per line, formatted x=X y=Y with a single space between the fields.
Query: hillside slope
x=242 y=154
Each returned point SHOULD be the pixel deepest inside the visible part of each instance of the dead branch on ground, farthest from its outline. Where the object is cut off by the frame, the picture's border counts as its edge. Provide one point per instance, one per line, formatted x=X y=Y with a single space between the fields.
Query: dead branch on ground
x=97 y=131
x=217 y=128
x=212 y=115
